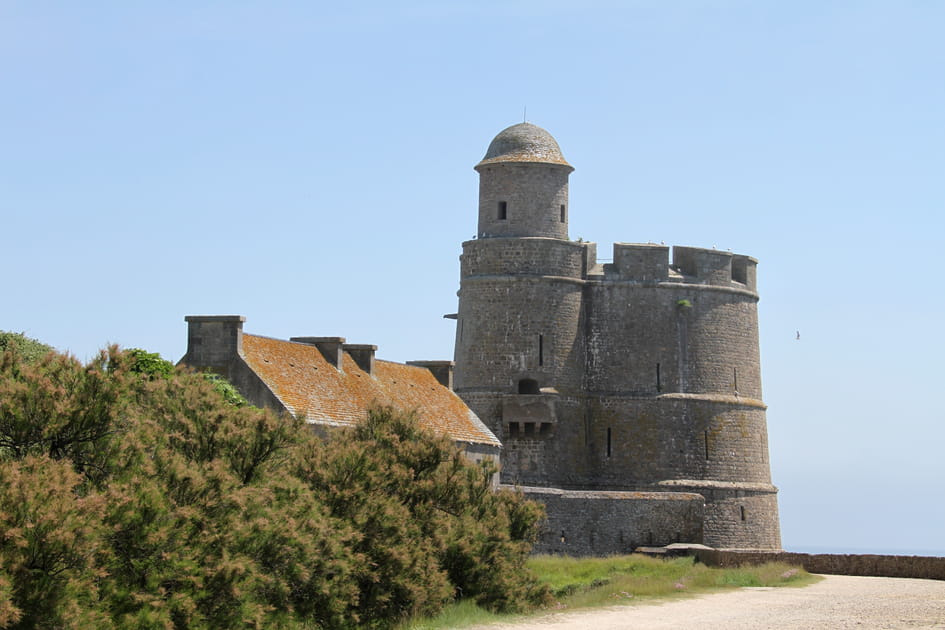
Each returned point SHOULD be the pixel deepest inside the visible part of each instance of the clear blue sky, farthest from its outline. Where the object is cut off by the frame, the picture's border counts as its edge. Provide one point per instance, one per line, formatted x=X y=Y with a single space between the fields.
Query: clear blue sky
x=309 y=165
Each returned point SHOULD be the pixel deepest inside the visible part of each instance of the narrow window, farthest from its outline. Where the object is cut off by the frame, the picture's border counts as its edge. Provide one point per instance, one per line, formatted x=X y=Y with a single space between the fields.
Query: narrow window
x=735 y=379
x=503 y=210
x=741 y=509
x=541 y=349
x=564 y=214
x=706 y=435
x=659 y=385
x=608 y=442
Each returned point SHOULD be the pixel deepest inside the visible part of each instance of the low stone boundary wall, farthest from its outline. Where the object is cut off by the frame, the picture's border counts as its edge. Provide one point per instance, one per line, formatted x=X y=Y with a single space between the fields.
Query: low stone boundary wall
x=926 y=567
x=602 y=523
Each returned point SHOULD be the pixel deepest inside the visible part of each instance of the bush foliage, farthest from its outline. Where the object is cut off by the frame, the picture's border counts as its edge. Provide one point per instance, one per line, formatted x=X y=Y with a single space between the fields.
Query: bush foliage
x=28 y=349
x=134 y=495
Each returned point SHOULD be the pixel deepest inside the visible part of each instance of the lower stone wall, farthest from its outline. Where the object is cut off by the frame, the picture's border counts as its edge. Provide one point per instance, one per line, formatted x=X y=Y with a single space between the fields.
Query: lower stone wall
x=924 y=567
x=600 y=523
x=739 y=516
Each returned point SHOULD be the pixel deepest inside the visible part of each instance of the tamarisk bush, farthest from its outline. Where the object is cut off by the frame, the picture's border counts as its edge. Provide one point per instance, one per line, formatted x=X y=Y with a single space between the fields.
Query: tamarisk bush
x=138 y=495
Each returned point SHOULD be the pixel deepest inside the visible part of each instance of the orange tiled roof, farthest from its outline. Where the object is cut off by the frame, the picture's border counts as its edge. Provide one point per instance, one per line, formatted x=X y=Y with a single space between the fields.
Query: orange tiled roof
x=310 y=387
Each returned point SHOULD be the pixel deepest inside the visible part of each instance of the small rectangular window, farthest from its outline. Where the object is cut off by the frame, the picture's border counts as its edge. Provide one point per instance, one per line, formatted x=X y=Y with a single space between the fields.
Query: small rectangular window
x=541 y=349
x=608 y=442
x=659 y=385
x=564 y=214
x=503 y=210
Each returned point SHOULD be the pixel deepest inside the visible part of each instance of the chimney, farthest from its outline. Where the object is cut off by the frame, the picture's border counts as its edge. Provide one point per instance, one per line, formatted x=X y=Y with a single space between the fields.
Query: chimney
x=330 y=347
x=442 y=371
x=363 y=355
x=213 y=340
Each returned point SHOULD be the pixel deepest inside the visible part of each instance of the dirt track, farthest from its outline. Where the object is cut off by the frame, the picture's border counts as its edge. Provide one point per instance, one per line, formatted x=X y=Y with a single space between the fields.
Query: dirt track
x=835 y=602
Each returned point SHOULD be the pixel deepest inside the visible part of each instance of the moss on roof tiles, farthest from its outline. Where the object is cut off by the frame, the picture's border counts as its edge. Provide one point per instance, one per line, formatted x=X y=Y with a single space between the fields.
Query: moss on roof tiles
x=312 y=388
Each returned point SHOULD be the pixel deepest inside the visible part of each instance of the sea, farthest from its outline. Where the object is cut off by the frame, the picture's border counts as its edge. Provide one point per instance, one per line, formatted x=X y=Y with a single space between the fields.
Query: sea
x=881 y=551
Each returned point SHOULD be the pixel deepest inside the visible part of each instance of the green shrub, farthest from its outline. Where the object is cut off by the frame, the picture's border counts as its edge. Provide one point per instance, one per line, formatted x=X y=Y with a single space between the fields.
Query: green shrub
x=432 y=527
x=150 y=363
x=226 y=389
x=52 y=536
x=166 y=506
x=28 y=349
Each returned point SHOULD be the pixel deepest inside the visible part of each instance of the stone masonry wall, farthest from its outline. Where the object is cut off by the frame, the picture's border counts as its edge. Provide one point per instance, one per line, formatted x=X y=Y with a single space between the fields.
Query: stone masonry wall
x=533 y=194
x=922 y=567
x=582 y=523
x=522 y=256
x=638 y=375
x=503 y=338
x=673 y=337
x=639 y=442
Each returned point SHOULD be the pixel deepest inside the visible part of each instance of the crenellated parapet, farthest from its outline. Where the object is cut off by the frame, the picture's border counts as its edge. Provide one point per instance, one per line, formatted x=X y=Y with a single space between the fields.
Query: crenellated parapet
x=710 y=266
x=650 y=264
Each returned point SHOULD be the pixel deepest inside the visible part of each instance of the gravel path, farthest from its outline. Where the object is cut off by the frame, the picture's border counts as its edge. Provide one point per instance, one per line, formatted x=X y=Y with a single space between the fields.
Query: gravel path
x=835 y=602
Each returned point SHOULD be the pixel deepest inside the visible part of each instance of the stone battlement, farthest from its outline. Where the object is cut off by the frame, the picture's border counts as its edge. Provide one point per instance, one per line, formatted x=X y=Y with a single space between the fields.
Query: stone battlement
x=650 y=264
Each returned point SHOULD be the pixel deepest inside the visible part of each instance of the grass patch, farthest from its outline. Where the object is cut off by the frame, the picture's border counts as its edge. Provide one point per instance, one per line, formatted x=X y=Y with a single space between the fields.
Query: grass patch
x=461 y=614
x=585 y=582
x=590 y=582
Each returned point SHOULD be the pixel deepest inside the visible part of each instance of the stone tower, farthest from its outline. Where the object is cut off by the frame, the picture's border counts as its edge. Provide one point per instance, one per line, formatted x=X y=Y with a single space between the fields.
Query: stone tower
x=628 y=394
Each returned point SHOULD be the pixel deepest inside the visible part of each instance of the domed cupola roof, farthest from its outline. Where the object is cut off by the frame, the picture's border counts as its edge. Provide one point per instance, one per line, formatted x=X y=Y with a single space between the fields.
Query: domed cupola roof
x=524 y=142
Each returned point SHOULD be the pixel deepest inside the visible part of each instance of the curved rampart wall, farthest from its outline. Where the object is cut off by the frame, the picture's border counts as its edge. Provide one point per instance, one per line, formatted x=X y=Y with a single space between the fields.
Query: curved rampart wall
x=740 y=518
x=720 y=340
x=640 y=442
x=524 y=256
x=515 y=326
x=649 y=332
x=716 y=446
x=510 y=329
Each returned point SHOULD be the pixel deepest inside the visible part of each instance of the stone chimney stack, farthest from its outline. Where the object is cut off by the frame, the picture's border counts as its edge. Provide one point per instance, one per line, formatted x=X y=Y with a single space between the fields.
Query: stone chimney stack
x=213 y=341
x=330 y=347
x=363 y=355
x=442 y=371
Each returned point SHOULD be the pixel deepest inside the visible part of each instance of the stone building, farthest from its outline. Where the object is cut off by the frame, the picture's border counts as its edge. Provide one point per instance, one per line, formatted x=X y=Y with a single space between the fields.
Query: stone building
x=332 y=383
x=627 y=395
